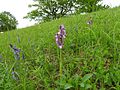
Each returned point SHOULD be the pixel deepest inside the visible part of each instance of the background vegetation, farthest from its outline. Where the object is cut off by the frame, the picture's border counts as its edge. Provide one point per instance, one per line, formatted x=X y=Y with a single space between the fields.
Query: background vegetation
x=7 y=21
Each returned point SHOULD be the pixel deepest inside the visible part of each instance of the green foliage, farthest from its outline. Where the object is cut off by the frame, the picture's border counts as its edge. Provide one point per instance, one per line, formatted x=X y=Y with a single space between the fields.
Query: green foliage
x=47 y=10
x=90 y=57
x=50 y=9
x=90 y=6
x=7 y=21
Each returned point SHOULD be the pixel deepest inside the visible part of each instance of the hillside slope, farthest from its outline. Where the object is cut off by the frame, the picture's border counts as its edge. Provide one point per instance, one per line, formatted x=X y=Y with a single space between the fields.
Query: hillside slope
x=90 y=57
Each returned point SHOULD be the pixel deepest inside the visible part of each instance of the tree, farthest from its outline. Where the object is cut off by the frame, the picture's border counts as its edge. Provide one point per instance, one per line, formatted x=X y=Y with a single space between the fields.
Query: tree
x=52 y=9
x=89 y=6
x=7 y=21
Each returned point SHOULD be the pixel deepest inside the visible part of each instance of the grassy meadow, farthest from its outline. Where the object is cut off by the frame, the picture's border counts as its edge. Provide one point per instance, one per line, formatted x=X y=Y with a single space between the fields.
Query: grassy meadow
x=89 y=60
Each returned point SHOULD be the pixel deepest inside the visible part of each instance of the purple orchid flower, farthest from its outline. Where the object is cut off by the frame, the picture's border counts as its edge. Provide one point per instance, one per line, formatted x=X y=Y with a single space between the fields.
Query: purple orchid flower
x=62 y=31
x=60 y=36
x=16 y=52
x=59 y=40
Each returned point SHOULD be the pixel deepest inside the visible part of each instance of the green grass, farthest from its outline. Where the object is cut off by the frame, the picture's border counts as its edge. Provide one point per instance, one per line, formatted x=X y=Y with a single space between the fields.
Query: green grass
x=90 y=57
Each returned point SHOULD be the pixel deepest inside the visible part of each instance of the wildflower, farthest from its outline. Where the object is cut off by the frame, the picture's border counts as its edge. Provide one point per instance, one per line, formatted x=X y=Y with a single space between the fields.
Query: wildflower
x=59 y=40
x=15 y=75
x=60 y=36
x=62 y=31
x=16 y=52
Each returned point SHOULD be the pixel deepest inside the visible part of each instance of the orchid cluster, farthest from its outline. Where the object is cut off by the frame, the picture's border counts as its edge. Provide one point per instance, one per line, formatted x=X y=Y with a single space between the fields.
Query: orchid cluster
x=60 y=36
x=16 y=52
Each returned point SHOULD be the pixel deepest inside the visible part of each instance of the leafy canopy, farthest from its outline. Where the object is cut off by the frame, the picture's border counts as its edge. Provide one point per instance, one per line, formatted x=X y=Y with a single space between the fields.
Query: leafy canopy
x=7 y=21
x=47 y=10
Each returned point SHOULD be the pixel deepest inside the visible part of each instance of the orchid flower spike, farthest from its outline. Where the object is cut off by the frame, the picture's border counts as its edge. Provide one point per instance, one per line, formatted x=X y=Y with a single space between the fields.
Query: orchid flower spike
x=62 y=31
x=59 y=37
x=16 y=51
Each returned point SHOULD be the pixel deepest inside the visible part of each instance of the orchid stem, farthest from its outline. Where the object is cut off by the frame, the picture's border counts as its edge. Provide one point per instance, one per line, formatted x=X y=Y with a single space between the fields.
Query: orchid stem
x=60 y=64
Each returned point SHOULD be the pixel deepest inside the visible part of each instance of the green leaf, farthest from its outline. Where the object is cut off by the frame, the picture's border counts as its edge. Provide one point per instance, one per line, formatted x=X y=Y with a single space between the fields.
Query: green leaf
x=88 y=86
x=68 y=86
x=86 y=77
x=82 y=85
